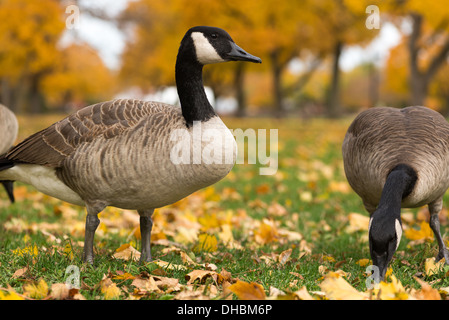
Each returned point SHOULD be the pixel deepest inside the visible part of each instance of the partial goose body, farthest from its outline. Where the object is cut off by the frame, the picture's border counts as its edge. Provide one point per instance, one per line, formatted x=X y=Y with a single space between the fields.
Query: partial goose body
x=135 y=154
x=9 y=128
x=397 y=158
x=78 y=160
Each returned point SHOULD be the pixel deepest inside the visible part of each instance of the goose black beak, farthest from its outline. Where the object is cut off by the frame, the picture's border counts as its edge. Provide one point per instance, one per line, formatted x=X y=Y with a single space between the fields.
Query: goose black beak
x=238 y=54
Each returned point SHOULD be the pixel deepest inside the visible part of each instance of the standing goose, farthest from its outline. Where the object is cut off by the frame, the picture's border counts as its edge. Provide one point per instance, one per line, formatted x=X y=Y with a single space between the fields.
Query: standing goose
x=393 y=159
x=123 y=153
x=9 y=128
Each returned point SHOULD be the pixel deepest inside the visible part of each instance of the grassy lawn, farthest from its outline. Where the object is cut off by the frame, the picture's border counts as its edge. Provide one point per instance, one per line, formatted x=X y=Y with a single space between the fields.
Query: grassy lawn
x=284 y=231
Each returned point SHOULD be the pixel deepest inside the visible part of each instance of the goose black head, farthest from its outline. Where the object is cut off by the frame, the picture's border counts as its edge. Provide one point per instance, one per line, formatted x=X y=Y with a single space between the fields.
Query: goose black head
x=385 y=233
x=213 y=45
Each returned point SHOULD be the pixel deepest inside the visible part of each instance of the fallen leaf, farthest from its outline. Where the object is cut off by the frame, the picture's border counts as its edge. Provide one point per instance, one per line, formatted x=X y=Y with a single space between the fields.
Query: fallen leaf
x=424 y=233
x=303 y=294
x=337 y=288
x=10 y=295
x=206 y=243
x=19 y=272
x=426 y=292
x=126 y=252
x=284 y=256
x=357 y=222
x=109 y=289
x=266 y=233
x=392 y=290
x=248 y=291
x=202 y=275
x=363 y=262
x=431 y=267
x=59 y=291
x=37 y=290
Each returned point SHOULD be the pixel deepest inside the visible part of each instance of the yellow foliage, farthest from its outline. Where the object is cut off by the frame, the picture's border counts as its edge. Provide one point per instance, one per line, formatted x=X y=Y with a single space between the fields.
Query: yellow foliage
x=424 y=232
x=206 y=243
x=36 y=290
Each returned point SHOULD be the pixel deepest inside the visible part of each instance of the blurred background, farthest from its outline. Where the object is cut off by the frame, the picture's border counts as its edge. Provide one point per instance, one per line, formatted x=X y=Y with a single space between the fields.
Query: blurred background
x=320 y=57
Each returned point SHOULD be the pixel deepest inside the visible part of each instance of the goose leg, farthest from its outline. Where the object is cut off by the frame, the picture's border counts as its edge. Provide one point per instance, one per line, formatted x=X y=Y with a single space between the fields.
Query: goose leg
x=434 y=209
x=92 y=223
x=146 y=224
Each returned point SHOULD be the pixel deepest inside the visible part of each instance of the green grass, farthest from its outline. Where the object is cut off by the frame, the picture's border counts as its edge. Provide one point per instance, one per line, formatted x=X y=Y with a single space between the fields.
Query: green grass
x=309 y=161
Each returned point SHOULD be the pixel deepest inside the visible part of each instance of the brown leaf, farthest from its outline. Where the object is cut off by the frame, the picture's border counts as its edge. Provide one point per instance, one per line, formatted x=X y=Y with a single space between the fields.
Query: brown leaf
x=202 y=275
x=248 y=291
x=19 y=272
x=284 y=256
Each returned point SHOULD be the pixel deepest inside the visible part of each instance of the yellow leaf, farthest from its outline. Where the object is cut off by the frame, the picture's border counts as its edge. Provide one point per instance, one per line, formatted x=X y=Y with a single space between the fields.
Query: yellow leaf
x=68 y=251
x=206 y=243
x=363 y=262
x=10 y=295
x=266 y=233
x=357 y=222
x=431 y=267
x=248 y=291
x=109 y=289
x=226 y=234
x=126 y=252
x=124 y=276
x=424 y=232
x=337 y=288
x=36 y=291
x=392 y=291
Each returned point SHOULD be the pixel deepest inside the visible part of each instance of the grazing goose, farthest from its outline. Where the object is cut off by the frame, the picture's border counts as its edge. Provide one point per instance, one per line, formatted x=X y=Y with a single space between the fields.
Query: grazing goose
x=393 y=159
x=8 y=134
x=123 y=153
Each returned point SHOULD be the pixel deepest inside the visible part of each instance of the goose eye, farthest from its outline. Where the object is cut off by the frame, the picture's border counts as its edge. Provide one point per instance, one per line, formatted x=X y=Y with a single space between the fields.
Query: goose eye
x=214 y=36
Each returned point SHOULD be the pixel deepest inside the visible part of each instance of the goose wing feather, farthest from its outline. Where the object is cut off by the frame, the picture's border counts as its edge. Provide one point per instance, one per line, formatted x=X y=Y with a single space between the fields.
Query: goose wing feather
x=51 y=146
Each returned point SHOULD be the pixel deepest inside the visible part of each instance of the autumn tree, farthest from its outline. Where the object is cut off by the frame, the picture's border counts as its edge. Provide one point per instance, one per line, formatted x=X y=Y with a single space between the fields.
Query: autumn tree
x=79 y=77
x=427 y=41
x=29 y=32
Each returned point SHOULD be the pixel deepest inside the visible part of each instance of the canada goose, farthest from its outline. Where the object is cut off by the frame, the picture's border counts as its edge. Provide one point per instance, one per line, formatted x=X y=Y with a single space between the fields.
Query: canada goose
x=119 y=153
x=9 y=128
x=393 y=159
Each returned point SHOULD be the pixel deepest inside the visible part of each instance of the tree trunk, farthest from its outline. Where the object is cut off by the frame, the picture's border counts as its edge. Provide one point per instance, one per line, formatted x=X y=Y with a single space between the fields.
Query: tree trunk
x=333 y=103
x=239 y=85
x=276 y=69
x=420 y=79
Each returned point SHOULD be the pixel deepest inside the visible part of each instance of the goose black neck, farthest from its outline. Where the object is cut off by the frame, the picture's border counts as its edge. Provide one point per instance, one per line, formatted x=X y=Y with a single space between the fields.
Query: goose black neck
x=399 y=184
x=189 y=83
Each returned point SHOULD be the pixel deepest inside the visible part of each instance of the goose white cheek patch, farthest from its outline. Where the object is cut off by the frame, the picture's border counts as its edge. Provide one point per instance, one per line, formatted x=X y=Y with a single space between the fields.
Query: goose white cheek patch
x=205 y=52
x=398 y=228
